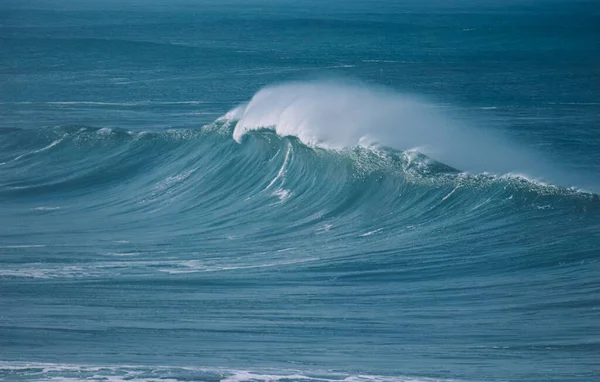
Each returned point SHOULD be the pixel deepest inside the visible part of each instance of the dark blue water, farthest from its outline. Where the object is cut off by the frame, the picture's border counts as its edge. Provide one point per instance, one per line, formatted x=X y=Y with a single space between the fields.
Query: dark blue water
x=296 y=191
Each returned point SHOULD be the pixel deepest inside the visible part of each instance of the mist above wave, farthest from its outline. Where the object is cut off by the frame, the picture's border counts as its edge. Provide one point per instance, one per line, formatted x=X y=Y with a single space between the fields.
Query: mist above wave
x=336 y=115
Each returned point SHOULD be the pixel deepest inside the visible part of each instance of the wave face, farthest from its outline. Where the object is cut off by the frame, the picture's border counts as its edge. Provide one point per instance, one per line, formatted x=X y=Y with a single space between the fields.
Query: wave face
x=240 y=243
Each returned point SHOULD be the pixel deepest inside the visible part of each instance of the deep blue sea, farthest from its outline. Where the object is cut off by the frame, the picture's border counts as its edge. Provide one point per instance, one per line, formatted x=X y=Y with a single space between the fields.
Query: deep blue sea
x=313 y=191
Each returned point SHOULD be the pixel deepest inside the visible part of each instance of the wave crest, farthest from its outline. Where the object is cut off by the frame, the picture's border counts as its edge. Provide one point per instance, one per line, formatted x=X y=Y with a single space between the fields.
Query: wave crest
x=337 y=115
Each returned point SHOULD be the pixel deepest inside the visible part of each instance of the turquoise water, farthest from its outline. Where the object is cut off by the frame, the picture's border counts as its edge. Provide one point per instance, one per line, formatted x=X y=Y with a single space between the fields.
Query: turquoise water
x=296 y=191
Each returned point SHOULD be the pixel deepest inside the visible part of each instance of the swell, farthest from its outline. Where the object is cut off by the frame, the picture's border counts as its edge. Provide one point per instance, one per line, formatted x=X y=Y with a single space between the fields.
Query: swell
x=317 y=206
x=65 y=159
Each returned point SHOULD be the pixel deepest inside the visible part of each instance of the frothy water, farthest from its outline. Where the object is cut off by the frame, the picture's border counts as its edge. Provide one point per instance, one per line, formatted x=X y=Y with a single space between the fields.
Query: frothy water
x=337 y=115
x=118 y=373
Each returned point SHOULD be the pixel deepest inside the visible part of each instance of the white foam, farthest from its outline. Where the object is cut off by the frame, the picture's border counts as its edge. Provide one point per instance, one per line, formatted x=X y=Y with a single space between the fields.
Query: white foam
x=104 y=131
x=285 y=250
x=22 y=246
x=194 y=266
x=324 y=229
x=280 y=192
x=283 y=194
x=282 y=170
x=31 y=274
x=175 y=179
x=45 y=208
x=122 y=254
x=51 y=145
x=451 y=192
x=370 y=233
x=33 y=271
x=118 y=373
x=336 y=115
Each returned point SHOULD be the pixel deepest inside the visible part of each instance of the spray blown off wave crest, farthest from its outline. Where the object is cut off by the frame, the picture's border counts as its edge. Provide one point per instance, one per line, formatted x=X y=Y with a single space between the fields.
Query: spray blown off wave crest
x=341 y=115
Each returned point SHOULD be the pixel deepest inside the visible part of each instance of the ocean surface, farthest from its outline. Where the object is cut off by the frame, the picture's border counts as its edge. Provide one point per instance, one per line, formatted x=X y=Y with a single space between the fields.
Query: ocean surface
x=299 y=191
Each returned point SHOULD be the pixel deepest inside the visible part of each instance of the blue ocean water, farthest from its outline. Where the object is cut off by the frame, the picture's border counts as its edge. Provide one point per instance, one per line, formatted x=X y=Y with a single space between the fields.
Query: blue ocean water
x=299 y=191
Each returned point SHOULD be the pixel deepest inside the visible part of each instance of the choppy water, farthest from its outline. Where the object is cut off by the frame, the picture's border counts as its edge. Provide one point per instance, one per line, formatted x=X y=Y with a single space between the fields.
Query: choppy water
x=278 y=192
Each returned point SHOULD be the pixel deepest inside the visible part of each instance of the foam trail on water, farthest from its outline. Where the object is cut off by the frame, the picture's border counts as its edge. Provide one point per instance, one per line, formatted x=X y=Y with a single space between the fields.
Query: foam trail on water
x=333 y=114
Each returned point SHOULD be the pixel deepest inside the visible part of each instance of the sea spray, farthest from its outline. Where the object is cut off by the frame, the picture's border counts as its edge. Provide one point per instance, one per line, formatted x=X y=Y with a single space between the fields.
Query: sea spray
x=342 y=114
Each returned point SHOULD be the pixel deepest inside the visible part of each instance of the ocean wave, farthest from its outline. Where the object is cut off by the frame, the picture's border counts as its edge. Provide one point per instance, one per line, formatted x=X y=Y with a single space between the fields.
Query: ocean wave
x=62 y=158
x=261 y=197
x=237 y=181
